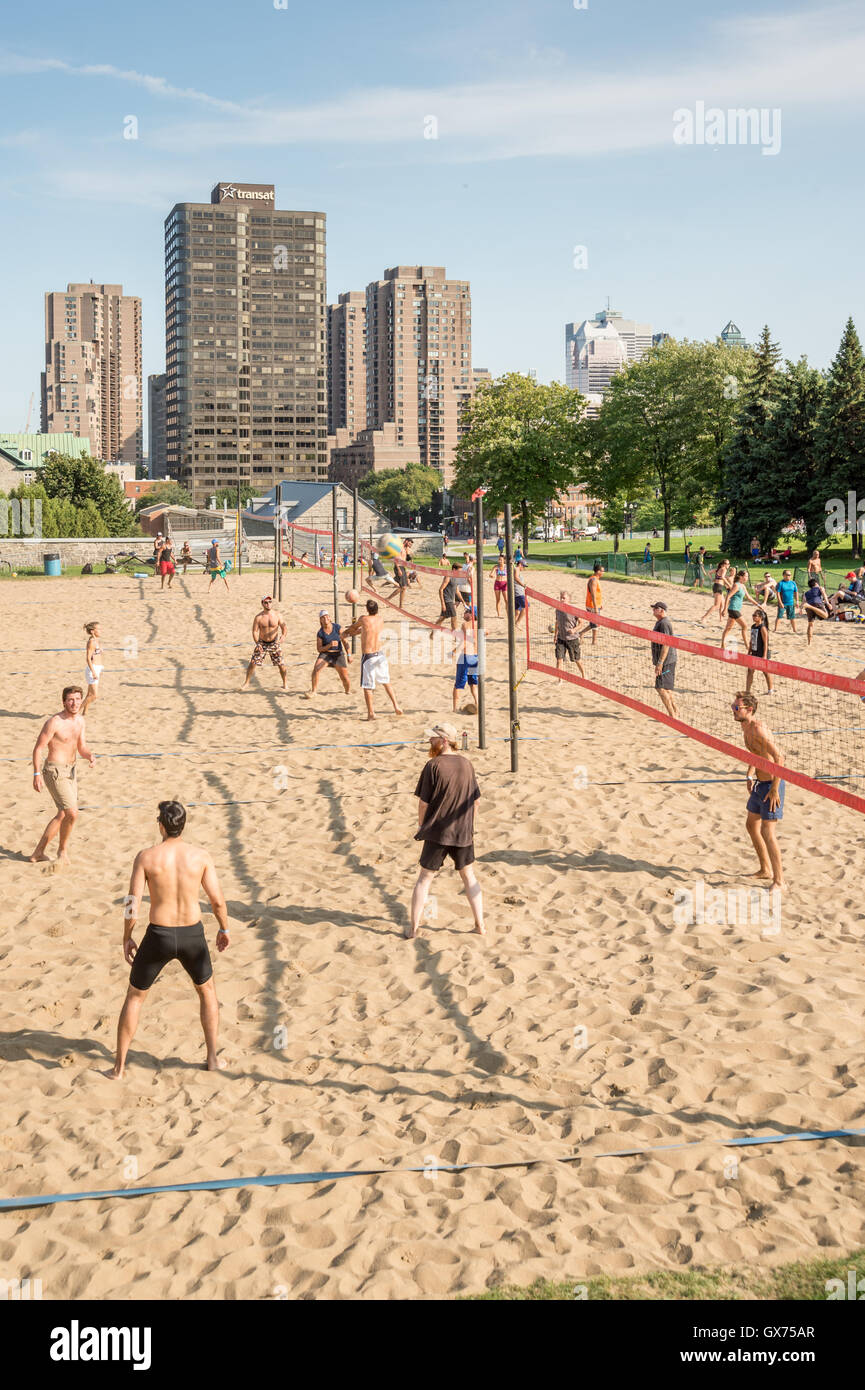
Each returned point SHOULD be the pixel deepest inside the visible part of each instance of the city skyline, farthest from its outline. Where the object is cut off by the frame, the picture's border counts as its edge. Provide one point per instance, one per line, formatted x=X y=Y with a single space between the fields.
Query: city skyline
x=533 y=154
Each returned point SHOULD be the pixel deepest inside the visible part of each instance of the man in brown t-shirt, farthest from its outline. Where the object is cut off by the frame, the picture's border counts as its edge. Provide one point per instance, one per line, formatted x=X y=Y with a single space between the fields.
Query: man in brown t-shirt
x=447 y=790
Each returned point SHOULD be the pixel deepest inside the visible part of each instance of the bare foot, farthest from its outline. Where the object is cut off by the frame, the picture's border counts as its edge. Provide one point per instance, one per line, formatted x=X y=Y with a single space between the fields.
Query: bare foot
x=307 y=694
x=370 y=719
x=116 y=1073
x=37 y=858
x=399 y=711
x=215 y=1064
x=244 y=688
x=779 y=884
x=410 y=935
x=479 y=931
x=760 y=873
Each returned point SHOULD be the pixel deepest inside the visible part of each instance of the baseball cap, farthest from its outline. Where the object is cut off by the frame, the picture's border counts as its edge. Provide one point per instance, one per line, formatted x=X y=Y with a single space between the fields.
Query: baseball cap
x=659 y=603
x=267 y=598
x=214 y=540
x=323 y=613
x=447 y=731
x=851 y=575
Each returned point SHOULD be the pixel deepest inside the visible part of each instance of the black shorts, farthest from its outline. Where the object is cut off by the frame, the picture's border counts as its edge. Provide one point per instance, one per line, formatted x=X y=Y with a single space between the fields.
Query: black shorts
x=433 y=855
x=450 y=608
x=162 y=944
x=568 y=647
x=335 y=659
x=717 y=588
x=401 y=578
x=667 y=679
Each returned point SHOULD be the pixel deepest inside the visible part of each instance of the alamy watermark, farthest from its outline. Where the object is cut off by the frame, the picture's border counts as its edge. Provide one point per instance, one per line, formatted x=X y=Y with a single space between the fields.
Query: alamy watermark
x=843 y=518
x=728 y=907
x=739 y=125
x=25 y=516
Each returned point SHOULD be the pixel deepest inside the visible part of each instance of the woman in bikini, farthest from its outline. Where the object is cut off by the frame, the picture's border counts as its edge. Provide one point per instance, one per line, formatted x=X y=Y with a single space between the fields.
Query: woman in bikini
x=93 y=658
x=718 y=587
x=500 y=583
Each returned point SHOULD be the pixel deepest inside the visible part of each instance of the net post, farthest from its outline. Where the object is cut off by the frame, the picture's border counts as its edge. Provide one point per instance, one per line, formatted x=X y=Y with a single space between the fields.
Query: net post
x=512 y=643
x=481 y=636
x=333 y=545
x=239 y=533
x=274 y=583
x=354 y=563
x=280 y=563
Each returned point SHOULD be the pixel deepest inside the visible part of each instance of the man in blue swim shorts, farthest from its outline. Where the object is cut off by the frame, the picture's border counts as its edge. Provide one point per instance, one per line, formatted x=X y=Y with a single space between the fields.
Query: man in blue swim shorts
x=766 y=799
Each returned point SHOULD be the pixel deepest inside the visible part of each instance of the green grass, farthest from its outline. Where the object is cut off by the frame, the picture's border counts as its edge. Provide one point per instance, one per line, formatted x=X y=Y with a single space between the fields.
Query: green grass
x=804 y=1281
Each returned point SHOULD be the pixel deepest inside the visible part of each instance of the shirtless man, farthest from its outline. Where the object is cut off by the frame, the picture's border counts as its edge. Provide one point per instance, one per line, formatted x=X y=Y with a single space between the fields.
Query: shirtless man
x=374 y=669
x=766 y=799
x=173 y=872
x=268 y=629
x=59 y=742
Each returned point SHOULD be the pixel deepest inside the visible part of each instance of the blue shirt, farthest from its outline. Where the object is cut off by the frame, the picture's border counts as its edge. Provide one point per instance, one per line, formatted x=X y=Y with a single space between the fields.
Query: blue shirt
x=787 y=591
x=501 y=544
x=332 y=636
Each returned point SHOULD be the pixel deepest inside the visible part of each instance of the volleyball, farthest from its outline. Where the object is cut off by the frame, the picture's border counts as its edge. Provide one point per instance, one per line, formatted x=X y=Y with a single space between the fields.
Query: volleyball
x=389 y=545
x=352 y=596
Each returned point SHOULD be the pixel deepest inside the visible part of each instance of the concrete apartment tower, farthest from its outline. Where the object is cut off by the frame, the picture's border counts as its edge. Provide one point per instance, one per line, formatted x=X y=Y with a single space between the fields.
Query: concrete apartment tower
x=418 y=360
x=346 y=364
x=157 y=463
x=598 y=348
x=246 y=390
x=92 y=380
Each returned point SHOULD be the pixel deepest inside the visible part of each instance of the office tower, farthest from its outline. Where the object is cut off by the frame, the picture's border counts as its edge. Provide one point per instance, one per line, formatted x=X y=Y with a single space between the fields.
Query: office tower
x=92 y=380
x=598 y=348
x=731 y=336
x=246 y=391
x=157 y=466
x=418 y=360
x=346 y=364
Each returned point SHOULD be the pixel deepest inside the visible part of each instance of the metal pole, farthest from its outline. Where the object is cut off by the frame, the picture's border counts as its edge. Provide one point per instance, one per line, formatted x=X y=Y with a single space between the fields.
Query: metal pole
x=334 y=545
x=481 y=636
x=354 y=563
x=239 y=531
x=276 y=529
x=512 y=642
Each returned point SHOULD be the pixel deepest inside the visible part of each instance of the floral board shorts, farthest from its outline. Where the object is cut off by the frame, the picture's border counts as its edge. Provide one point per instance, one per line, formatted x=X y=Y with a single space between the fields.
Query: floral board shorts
x=271 y=649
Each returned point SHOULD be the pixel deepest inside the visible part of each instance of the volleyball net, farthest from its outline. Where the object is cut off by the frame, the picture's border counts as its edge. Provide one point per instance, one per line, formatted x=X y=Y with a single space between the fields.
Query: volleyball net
x=303 y=545
x=816 y=719
x=421 y=600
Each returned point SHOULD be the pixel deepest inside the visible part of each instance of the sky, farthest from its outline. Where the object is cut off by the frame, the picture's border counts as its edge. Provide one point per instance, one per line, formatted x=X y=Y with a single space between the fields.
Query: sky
x=547 y=151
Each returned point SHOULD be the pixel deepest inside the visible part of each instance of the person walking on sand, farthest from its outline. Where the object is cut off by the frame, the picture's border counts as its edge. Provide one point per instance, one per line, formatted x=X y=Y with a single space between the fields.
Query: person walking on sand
x=447 y=790
x=166 y=562
x=500 y=582
x=374 y=669
x=215 y=566
x=758 y=645
x=594 y=599
x=93 y=665
x=766 y=798
x=333 y=652
x=735 y=598
x=185 y=557
x=467 y=665
x=568 y=638
x=664 y=658
x=174 y=873
x=268 y=630
x=718 y=590
x=788 y=594
x=60 y=741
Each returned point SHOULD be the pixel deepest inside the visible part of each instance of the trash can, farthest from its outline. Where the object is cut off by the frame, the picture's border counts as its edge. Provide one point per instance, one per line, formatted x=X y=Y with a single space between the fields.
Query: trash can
x=51 y=564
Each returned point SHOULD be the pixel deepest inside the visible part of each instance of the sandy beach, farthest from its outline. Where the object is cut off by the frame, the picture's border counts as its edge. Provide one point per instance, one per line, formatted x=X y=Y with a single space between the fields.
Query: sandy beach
x=587 y=1021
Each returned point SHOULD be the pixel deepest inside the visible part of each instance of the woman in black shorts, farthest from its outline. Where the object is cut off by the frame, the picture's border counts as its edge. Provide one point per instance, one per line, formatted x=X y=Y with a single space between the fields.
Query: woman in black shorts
x=718 y=589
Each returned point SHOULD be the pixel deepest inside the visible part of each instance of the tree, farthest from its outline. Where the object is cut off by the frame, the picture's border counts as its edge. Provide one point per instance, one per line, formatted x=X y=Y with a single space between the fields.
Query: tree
x=81 y=479
x=744 y=456
x=790 y=469
x=167 y=491
x=840 y=442
x=719 y=374
x=401 y=492
x=521 y=443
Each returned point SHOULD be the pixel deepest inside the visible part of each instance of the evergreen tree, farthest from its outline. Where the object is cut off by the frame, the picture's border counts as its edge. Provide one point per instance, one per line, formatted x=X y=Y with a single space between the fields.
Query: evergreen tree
x=743 y=459
x=789 y=459
x=840 y=444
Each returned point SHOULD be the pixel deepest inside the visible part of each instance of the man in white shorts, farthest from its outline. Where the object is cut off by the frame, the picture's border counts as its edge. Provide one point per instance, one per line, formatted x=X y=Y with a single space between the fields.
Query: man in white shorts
x=374 y=669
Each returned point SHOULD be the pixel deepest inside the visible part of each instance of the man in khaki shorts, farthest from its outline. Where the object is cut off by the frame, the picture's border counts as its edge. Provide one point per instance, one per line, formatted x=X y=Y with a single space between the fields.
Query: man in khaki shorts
x=60 y=741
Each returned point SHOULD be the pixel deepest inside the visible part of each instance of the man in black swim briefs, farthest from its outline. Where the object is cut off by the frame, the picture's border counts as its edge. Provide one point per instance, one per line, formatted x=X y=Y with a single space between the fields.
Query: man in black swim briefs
x=173 y=873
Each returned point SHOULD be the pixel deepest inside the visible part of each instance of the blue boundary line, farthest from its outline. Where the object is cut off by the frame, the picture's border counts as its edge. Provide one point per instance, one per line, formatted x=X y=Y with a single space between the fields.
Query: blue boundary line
x=298 y=1179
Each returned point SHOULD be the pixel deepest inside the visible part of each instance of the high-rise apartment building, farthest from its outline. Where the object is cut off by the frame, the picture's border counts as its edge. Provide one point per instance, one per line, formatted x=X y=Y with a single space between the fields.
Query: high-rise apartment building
x=418 y=360
x=246 y=392
x=157 y=463
x=346 y=364
x=598 y=348
x=92 y=380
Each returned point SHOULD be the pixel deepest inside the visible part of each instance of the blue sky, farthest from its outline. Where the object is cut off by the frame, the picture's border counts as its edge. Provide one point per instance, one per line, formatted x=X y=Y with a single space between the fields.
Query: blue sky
x=555 y=130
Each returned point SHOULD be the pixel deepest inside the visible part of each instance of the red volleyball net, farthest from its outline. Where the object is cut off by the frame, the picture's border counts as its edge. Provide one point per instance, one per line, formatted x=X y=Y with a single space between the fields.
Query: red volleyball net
x=303 y=545
x=816 y=719
x=420 y=593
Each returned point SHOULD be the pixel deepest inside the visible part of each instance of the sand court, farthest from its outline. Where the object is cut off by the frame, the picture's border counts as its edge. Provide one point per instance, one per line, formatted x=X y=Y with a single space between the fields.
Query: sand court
x=588 y=1020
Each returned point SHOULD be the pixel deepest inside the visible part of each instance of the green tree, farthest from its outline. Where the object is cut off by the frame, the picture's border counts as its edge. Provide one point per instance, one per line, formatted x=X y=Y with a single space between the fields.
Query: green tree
x=522 y=443
x=840 y=444
x=166 y=491
x=744 y=459
x=401 y=492
x=79 y=480
x=790 y=470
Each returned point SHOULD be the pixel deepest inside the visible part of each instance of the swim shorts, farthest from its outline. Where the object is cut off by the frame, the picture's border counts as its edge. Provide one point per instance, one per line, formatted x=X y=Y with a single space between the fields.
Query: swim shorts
x=374 y=670
x=569 y=646
x=93 y=677
x=467 y=671
x=335 y=659
x=433 y=855
x=667 y=679
x=758 y=801
x=271 y=649
x=62 y=785
x=162 y=944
